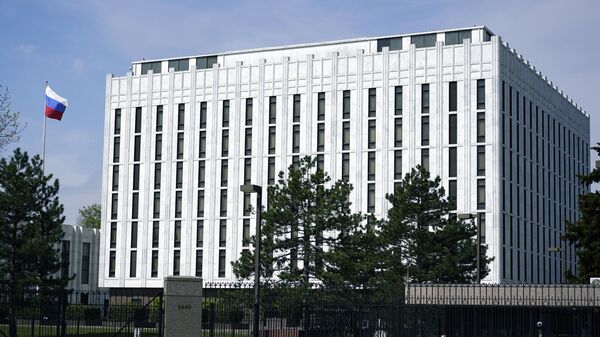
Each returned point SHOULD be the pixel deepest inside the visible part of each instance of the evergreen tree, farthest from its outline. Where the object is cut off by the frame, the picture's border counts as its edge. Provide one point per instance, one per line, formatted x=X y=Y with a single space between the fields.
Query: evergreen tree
x=421 y=234
x=300 y=225
x=30 y=228
x=584 y=233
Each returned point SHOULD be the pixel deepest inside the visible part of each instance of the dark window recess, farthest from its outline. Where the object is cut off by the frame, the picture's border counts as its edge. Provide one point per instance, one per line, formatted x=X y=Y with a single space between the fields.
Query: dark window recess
x=346 y=166
x=154 y=264
x=115 y=178
x=398 y=132
x=154 y=66
x=114 y=206
x=371 y=198
x=135 y=200
x=480 y=193
x=372 y=136
x=425 y=130
x=398 y=100
x=221 y=263
x=247 y=205
x=136 y=177
x=113 y=235
x=371 y=166
x=224 y=172
x=155 y=234
x=85 y=263
x=481 y=127
x=180 y=65
x=393 y=43
x=117 y=129
x=248 y=111
x=481 y=94
x=112 y=263
x=225 y=116
x=296 y=139
x=199 y=233
x=480 y=160
x=272 y=140
x=138 y=120
x=425 y=159
x=321 y=106
x=346 y=104
x=202 y=145
x=179 y=175
x=200 y=206
x=199 y=262
x=345 y=135
x=457 y=37
x=134 y=234
x=223 y=206
x=372 y=102
x=159 y=118
x=225 y=143
x=452 y=170
x=320 y=137
x=177 y=234
x=222 y=233
x=271 y=171
x=452 y=96
x=296 y=109
x=452 y=195
x=201 y=173
x=176 y=260
x=248 y=142
x=247 y=170
x=180 y=139
x=272 y=109
x=158 y=147
x=398 y=164
x=116 y=150
x=321 y=162
x=452 y=129
x=425 y=98
x=180 y=116
x=246 y=233
x=137 y=140
x=178 y=204
x=202 y=115
x=423 y=41
x=205 y=62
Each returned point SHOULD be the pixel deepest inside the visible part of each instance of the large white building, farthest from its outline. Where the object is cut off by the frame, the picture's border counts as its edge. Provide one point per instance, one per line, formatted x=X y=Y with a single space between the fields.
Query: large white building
x=181 y=135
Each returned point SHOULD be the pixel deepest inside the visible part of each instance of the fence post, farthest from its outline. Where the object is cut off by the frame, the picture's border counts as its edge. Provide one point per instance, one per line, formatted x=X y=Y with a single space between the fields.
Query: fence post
x=63 y=312
x=211 y=318
x=160 y=315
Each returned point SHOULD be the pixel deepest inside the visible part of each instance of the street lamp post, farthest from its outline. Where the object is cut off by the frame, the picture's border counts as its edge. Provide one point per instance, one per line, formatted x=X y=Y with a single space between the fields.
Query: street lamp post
x=564 y=261
x=258 y=190
x=473 y=216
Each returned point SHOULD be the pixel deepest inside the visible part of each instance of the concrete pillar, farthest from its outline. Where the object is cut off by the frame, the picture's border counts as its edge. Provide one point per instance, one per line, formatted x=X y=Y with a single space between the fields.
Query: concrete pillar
x=183 y=306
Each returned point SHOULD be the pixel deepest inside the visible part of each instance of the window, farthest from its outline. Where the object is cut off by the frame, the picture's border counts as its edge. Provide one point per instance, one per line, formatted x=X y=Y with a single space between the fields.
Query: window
x=202 y=115
x=481 y=223
x=225 y=143
x=154 y=264
x=452 y=129
x=113 y=235
x=154 y=66
x=452 y=195
x=199 y=262
x=85 y=263
x=371 y=166
x=180 y=116
x=177 y=234
x=202 y=145
x=480 y=193
x=178 y=204
x=117 y=125
x=158 y=147
x=423 y=41
x=199 y=233
x=480 y=94
x=159 y=118
x=248 y=142
x=176 y=260
x=248 y=111
x=223 y=209
x=321 y=162
x=398 y=164
x=135 y=200
x=136 y=147
x=398 y=100
x=247 y=170
x=200 y=206
x=321 y=107
x=425 y=159
x=225 y=122
x=320 y=137
x=156 y=205
x=457 y=37
x=271 y=171
x=65 y=258
x=222 y=233
x=272 y=109
x=272 y=140
x=372 y=102
x=205 y=62
x=180 y=65
x=247 y=205
x=346 y=104
x=224 y=172
x=371 y=136
x=480 y=160
x=345 y=135
x=111 y=263
x=138 y=120
x=481 y=127
x=180 y=145
x=246 y=233
x=221 y=263
x=398 y=132
x=116 y=150
x=424 y=98
x=115 y=178
x=114 y=206
x=179 y=175
x=452 y=97
x=155 y=234
x=424 y=130
x=452 y=162
x=370 y=198
x=201 y=173
x=296 y=139
x=393 y=43
x=132 y=263
x=346 y=166
x=296 y=109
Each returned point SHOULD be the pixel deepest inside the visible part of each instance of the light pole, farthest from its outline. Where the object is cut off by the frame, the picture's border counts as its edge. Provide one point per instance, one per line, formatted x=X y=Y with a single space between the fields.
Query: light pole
x=562 y=257
x=258 y=190
x=473 y=216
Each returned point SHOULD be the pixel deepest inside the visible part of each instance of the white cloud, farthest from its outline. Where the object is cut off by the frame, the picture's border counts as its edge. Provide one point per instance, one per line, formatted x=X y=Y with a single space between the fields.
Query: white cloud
x=78 y=65
x=26 y=49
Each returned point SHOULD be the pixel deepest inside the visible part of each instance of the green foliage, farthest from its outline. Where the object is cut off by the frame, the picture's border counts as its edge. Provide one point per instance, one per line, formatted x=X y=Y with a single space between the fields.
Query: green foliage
x=585 y=232
x=89 y=216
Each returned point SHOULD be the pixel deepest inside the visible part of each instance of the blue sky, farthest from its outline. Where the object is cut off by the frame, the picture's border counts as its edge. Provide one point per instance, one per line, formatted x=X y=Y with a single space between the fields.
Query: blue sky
x=74 y=43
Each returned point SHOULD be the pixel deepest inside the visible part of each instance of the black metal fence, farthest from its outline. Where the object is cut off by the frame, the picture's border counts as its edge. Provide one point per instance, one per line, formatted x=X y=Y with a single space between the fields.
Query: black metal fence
x=73 y=314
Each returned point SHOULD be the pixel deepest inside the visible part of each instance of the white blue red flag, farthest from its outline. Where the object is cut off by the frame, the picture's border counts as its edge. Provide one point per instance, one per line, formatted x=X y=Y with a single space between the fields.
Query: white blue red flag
x=55 y=105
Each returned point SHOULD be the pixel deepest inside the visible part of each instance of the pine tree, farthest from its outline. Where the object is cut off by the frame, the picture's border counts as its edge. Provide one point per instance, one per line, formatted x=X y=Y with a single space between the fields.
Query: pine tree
x=30 y=228
x=585 y=232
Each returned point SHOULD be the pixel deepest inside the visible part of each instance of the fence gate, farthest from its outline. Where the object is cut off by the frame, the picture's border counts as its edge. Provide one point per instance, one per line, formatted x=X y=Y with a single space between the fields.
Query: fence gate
x=141 y=320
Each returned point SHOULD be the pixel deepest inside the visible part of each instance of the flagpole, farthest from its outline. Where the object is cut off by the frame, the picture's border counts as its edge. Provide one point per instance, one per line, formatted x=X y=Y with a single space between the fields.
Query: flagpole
x=44 y=133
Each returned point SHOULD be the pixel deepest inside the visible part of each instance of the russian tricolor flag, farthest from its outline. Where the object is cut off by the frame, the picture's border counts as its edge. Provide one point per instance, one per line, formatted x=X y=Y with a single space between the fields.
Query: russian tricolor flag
x=55 y=105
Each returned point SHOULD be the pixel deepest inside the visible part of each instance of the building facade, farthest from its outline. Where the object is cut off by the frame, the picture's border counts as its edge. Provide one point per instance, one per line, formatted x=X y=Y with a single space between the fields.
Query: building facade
x=79 y=253
x=181 y=135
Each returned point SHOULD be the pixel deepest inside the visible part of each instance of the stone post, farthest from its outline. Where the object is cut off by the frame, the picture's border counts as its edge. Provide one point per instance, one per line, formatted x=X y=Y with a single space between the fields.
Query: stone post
x=183 y=306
